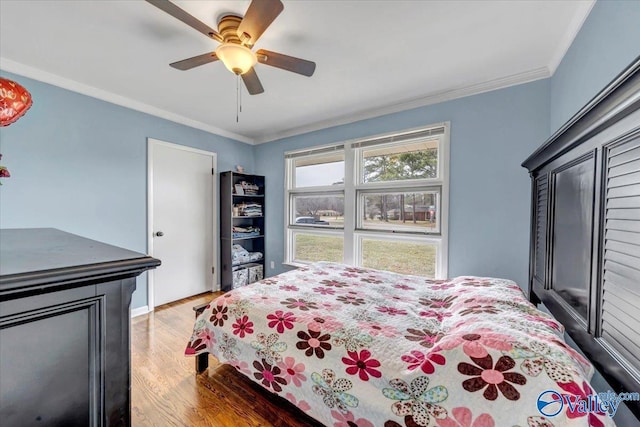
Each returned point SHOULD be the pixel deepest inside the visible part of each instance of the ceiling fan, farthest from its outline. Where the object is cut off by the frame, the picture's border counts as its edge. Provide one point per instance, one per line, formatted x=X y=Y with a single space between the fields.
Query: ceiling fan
x=237 y=35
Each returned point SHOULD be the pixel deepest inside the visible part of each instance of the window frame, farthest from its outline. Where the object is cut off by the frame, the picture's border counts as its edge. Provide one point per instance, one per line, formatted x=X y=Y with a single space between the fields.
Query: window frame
x=399 y=183
x=316 y=153
x=309 y=193
x=396 y=237
x=360 y=194
x=353 y=188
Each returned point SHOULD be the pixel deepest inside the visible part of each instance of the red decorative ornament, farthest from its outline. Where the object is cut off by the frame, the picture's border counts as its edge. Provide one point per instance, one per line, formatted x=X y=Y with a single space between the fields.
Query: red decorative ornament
x=14 y=101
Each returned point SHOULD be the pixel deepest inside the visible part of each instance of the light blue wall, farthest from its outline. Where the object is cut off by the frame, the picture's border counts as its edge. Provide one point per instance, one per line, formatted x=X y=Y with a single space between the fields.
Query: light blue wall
x=608 y=41
x=491 y=134
x=80 y=164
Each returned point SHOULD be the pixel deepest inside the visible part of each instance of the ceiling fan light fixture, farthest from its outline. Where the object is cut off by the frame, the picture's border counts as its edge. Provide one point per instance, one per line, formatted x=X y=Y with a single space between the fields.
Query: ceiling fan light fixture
x=237 y=58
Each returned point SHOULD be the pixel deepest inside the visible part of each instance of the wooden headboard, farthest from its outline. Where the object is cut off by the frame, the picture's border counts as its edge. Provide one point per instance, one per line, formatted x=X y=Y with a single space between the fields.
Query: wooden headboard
x=585 y=230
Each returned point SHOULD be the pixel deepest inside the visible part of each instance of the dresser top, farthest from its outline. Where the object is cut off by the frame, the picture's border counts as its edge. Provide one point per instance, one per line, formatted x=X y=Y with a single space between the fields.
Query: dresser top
x=31 y=256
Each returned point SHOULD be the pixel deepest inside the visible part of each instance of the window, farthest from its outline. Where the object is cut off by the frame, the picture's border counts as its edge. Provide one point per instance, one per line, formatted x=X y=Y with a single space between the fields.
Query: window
x=319 y=170
x=398 y=211
x=378 y=202
x=418 y=258
x=396 y=162
x=318 y=210
x=309 y=247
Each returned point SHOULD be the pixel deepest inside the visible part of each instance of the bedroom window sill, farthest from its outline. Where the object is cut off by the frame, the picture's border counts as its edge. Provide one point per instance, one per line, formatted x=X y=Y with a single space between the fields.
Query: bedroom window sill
x=294 y=264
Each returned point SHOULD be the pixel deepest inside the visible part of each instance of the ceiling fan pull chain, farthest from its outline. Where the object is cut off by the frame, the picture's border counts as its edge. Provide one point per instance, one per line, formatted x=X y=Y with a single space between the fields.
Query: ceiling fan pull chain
x=237 y=97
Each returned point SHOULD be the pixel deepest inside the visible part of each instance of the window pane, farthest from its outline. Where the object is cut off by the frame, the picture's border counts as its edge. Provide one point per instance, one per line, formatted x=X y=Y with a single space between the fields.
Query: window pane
x=418 y=160
x=318 y=211
x=417 y=212
x=319 y=171
x=401 y=257
x=310 y=247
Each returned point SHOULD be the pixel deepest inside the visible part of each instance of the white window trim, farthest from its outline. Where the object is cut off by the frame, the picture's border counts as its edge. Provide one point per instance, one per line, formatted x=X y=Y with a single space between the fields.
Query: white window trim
x=352 y=235
x=443 y=259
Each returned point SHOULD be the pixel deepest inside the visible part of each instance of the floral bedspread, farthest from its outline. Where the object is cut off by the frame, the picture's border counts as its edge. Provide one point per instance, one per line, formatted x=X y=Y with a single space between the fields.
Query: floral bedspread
x=360 y=347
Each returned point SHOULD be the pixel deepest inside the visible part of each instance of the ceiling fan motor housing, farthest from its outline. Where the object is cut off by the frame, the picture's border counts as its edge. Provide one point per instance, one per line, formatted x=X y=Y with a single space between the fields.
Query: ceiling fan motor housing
x=228 y=28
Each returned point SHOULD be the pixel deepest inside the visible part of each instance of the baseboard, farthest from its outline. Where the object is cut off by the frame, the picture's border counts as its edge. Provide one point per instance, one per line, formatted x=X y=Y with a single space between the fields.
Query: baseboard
x=140 y=311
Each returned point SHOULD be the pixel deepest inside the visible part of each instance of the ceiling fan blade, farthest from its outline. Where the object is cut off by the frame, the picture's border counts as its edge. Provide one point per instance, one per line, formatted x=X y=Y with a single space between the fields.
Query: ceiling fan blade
x=252 y=82
x=285 y=62
x=196 y=61
x=176 y=12
x=259 y=16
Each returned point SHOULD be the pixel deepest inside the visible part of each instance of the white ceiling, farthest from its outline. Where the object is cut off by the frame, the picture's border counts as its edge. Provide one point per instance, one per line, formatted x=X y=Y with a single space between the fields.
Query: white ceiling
x=373 y=57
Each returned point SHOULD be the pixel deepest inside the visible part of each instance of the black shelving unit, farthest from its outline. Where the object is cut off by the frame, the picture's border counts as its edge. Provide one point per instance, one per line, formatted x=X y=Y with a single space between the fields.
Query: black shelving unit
x=232 y=214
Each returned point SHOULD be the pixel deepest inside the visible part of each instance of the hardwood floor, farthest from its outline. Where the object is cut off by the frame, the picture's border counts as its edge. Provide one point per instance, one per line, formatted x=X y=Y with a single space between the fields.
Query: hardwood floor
x=167 y=392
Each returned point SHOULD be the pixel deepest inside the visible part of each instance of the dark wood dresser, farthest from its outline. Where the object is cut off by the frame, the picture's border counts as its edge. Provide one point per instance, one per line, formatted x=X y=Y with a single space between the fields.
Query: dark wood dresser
x=64 y=329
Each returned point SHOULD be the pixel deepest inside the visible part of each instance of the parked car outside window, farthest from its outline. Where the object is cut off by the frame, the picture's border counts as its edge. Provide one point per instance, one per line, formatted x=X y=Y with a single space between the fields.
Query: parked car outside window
x=310 y=220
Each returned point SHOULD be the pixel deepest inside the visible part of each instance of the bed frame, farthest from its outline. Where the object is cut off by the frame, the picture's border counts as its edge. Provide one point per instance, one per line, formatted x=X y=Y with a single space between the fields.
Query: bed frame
x=585 y=230
x=202 y=359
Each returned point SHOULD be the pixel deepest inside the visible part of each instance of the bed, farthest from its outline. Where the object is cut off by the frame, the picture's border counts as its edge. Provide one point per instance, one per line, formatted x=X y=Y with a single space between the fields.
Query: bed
x=357 y=347
x=372 y=348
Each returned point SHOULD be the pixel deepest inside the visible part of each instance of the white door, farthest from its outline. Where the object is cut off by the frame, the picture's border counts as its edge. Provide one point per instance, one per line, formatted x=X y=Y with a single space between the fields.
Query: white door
x=181 y=214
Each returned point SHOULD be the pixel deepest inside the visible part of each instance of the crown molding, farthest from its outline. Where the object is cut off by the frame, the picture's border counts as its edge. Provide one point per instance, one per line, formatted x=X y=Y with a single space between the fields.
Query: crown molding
x=434 y=98
x=570 y=34
x=74 y=86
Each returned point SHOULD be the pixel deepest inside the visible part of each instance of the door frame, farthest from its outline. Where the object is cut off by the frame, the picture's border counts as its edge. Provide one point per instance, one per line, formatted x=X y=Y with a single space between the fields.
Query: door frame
x=151 y=143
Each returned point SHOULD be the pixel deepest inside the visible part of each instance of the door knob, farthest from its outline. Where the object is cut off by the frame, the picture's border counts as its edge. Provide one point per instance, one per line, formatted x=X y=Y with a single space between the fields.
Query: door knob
x=159 y=234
